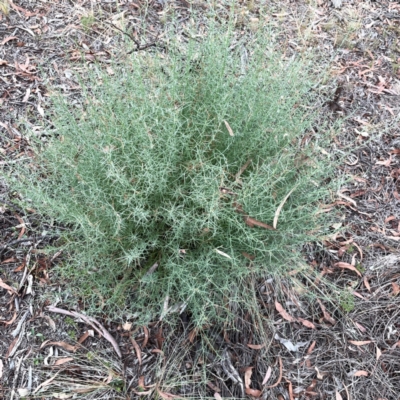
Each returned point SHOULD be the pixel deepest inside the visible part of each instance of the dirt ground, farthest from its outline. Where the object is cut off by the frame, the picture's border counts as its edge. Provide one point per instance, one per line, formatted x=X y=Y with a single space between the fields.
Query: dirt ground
x=310 y=347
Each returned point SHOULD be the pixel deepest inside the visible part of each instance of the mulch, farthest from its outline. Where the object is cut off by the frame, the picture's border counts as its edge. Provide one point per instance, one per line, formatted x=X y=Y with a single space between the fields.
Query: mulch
x=304 y=345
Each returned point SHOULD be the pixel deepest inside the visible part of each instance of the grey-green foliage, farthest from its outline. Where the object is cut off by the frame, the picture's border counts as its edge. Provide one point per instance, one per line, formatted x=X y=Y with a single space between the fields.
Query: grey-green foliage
x=136 y=173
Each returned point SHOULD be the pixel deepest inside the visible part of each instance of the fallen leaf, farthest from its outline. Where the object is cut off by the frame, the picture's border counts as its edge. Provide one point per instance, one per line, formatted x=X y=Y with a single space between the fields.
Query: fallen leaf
x=247 y=383
x=7 y=287
x=252 y=222
x=7 y=39
x=267 y=376
x=279 y=377
x=311 y=348
x=127 y=326
x=288 y=344
x=307 y=323
x=85 y=336
x=378 y=353
x=361 y=373
x=248 y=256
x=338 y=396
x=395 y=288
x=279 y=209
x=64 y=345
x=320 y=374
x=40 y=110
x=62 y=361
x=360 y=343
x=223 y=254
x=217 y=396
x=229 y=128
x=283 y=313
x=146 y=337
x=137 y=350
x=290 y=390
x=256 y=346
x=213 y=387
x=167 y=396
x=11 y=346
x=9 y=322
x=312 y=386
x=327 y=316
x=347 y=266
x=366 y=283
x=385 y=163
x=360 y=327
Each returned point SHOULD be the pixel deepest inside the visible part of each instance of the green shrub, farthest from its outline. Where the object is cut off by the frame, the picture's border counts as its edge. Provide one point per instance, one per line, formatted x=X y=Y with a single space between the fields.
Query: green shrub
x=163 y=161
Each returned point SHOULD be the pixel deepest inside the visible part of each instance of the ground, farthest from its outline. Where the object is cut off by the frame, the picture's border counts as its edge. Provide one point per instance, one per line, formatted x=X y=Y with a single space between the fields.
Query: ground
x=303 y=345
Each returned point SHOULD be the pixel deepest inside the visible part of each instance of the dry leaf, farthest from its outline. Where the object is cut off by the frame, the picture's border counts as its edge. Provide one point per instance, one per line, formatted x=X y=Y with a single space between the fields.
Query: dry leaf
x=146 y=337
x=127 y=326
x=229 y=128
x=256 y=346
x=11 y=320
x=252 y=222
x=288 y=344
x=7 y=39
x=137 y=350
x=213 y=387
x=360 y=327
x=85 y=336
x=283 y=313
x=64 y=345
x=267 y=376
x=61 y=361
x=247 y=383
x=385 y=163
x=279 y=209
x=366 y=283
x=360 y=343
x=280 y=375
x=11 y=346
x=40 y=110
x=378 y=353
x=167 y=396
x=395 y=288
x=7 y=287
x=311 y=348
x=290 y=390
x=347 y=266
x=361 y=373
x=327 y=316
x=307 y=323
x=223 y=254
x=338 y=396
x=217 y=396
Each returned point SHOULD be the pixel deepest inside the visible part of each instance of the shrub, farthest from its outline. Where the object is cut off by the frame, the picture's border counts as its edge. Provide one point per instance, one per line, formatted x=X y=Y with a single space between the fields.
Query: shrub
x=181 y=158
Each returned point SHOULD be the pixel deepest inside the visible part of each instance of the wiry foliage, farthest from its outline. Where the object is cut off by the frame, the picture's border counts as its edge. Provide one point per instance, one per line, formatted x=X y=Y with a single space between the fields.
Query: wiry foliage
x=164 y=163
